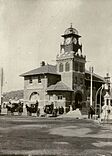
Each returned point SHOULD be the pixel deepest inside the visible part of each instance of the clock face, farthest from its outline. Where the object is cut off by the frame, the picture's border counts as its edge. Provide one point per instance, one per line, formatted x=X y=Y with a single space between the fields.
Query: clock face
x=75 y=40
x=68 y=40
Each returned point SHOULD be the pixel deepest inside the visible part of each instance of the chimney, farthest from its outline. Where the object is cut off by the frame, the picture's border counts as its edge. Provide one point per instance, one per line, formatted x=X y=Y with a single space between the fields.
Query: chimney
x=42 y=63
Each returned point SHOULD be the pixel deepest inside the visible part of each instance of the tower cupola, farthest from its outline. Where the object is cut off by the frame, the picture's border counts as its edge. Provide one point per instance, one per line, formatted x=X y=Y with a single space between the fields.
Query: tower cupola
x=71 y=41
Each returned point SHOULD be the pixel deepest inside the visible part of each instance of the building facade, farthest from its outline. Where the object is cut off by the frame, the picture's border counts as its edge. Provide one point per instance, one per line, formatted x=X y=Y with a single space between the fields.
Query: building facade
x=66 y=84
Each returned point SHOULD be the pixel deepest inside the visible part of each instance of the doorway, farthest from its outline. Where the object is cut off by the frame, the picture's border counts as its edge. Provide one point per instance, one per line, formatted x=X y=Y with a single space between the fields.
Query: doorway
x=78 y=100
x=34 y=96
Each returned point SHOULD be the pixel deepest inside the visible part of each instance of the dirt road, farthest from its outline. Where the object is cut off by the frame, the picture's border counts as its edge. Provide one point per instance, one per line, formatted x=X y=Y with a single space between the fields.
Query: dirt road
x=42 y=136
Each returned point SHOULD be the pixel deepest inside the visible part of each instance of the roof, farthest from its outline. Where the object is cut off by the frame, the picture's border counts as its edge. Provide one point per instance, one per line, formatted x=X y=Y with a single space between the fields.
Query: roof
x=71 y=30
x=59 y=86
x=47 y=69
x=95 y=75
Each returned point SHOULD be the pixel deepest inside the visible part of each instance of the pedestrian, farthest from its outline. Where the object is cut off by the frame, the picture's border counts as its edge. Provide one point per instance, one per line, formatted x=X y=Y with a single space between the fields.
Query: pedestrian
x=91 y=112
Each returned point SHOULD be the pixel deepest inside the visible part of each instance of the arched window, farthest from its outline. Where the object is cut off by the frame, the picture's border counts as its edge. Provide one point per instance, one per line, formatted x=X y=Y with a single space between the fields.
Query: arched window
x=81 y=67
x=61 y=67
x=67 y=66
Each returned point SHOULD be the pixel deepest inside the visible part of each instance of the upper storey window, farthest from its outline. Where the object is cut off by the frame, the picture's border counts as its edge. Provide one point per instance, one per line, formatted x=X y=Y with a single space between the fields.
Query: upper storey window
x=61 y=67
x=30 y=80
x=81 y=67
x=67 y=66
x=76 y=66
x=39 y=79
x=60 y=97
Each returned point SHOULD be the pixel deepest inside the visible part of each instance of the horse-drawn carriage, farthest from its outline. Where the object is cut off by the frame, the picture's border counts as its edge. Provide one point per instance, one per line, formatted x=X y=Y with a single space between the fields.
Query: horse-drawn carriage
x=32 y=107
x=15 y=106
x=50 y=109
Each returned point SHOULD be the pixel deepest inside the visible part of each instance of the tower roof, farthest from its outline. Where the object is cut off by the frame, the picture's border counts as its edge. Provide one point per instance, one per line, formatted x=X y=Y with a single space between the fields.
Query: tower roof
x=71 y=31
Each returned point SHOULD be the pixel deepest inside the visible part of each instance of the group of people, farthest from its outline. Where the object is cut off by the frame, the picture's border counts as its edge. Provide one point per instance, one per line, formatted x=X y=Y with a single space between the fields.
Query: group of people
x=57 y=111
x=48 y=109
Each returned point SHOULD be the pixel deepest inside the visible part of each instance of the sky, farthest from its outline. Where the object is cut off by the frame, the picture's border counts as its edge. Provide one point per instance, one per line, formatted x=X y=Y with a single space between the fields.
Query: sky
x=30 y=31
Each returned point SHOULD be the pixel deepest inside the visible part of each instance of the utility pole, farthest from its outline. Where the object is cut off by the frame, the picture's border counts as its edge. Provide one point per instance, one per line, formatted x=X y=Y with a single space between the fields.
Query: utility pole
x=1 y=85
x=91 y=91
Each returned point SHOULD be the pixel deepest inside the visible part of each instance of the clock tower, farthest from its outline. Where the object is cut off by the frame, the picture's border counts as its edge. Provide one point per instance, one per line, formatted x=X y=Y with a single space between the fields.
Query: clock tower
x=71 y=62
x=71 y=40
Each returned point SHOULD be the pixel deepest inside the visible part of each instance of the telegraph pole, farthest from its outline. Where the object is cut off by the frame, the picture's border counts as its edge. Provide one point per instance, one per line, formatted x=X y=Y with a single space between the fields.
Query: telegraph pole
x=1 y=85
x=91 y=91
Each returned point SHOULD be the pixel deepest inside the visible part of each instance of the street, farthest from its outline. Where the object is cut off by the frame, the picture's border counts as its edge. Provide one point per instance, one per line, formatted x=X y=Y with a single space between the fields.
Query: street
x=53 y=136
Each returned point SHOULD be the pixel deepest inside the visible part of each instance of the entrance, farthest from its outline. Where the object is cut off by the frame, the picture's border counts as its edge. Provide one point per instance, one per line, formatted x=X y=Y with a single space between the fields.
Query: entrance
x=34 y=97
x=78 y=100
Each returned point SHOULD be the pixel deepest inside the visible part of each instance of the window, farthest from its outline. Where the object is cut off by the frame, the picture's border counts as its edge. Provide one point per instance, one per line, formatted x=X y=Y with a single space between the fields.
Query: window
x=75 y=80
x=111 y=102
x=39 y=79
x=30 y=80
x=61 y=67
x=81 y=80
x=67 y=66
x=60 y=97
x=107 y=102
x=76 y=66
x=81 y=67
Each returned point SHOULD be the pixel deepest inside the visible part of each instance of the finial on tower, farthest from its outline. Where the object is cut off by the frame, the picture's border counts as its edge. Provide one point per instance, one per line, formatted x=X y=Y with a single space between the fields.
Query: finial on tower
x=70 y=25
x=107 y=74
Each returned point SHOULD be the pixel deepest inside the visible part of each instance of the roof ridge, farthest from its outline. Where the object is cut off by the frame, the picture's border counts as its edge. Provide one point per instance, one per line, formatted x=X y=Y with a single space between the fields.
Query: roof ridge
x=47 y=69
